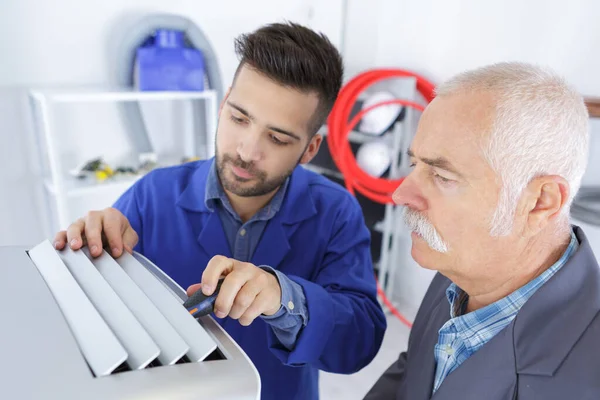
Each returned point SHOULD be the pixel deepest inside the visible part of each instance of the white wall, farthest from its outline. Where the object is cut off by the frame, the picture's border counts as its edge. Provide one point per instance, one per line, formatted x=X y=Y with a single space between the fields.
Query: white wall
x=438 y=38
x=66 y=42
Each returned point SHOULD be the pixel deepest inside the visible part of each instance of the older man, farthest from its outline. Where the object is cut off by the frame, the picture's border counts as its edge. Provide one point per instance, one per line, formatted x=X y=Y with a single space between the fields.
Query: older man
x=514 y=312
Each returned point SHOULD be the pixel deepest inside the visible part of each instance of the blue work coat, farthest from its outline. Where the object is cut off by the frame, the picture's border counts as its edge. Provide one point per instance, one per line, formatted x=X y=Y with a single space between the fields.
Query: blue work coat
x=318 y=239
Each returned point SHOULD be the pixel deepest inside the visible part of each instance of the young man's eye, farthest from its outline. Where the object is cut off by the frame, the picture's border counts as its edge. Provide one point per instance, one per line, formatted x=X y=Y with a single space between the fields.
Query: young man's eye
x=277 y=141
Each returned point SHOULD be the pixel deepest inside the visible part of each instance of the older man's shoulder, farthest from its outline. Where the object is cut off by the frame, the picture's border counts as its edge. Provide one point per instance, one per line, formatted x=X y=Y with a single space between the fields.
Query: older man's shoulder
x=577 y=377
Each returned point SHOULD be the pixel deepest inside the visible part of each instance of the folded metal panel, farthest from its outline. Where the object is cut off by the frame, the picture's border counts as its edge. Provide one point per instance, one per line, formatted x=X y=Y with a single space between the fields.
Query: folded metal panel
x=139 y=345
x=171 y=344
x=100 y=347
x=200 y=342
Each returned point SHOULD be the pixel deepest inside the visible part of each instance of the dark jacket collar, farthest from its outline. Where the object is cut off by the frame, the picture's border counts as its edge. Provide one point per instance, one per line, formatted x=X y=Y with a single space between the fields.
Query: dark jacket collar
x=551 y=322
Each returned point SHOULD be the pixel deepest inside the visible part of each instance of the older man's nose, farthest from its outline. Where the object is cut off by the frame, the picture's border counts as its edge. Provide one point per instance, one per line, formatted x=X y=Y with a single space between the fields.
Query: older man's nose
x=409 y=195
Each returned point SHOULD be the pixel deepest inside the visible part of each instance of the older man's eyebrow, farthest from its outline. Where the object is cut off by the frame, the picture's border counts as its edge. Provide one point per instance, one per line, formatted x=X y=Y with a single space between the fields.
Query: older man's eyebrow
x=439 y=162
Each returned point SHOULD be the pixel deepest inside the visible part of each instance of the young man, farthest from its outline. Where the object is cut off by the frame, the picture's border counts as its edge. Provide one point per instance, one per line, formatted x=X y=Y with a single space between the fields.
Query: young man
x=514 y=312
x=299 y=294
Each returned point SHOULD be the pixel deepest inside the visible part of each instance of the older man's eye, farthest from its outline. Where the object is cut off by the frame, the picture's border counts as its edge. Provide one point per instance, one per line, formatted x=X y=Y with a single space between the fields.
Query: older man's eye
x=442 y=179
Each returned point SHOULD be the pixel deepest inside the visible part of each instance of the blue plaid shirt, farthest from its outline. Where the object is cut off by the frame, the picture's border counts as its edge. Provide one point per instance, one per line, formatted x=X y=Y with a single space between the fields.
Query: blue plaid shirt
x=463 y=335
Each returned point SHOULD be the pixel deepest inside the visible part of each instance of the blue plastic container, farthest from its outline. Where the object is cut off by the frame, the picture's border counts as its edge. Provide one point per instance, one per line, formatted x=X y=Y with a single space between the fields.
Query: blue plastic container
x=164 y=63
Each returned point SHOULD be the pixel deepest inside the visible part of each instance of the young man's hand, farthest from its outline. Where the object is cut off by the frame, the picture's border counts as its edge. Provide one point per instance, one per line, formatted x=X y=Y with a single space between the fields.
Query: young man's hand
x=246 y=292
x=98 y=229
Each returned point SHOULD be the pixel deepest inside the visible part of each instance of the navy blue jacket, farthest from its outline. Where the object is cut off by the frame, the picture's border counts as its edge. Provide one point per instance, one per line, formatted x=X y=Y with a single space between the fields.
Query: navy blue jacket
x=550 y=351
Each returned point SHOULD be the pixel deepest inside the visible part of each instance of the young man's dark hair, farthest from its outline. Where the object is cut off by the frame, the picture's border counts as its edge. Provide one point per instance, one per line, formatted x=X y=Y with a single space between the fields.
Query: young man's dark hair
x=298 y=57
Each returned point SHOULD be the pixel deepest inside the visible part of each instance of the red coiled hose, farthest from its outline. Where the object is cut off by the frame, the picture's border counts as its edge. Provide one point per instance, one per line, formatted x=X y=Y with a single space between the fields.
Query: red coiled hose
x=379 y=190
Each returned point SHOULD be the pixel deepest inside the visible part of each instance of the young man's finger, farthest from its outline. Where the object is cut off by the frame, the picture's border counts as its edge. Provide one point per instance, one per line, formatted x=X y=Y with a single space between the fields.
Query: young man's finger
x=193 y=289
x=245 y=298
x=261 y=302
x=130 y=239
x=60 y=240
x=113 y=230
x=93 y=233
x=230 y=288
x=217 y=266
x=74 y=234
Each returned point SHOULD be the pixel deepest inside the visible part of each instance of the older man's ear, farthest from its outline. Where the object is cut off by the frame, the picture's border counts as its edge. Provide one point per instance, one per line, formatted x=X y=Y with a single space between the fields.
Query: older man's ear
x=544 y=199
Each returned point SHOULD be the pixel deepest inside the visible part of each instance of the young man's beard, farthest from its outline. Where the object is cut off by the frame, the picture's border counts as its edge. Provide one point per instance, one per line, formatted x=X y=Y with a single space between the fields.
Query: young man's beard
x=263 y=185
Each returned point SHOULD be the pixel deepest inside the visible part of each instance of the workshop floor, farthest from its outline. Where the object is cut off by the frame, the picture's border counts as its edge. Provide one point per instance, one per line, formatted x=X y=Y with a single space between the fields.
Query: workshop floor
x=355 y=386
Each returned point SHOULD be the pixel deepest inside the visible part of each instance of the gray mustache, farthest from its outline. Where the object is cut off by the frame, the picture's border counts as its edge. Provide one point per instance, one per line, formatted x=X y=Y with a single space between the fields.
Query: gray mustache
x=421 y=226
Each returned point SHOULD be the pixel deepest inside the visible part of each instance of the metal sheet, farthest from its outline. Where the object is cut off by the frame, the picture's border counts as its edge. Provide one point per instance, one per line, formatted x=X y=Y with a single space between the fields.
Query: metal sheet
x=171 y=344
x=97 y=342
x=200 y=342
x=165 y=279
x=139 y=345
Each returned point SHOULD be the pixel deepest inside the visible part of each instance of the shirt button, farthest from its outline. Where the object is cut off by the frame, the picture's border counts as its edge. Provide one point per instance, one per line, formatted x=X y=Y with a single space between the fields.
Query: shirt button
x=290 y=305
x=242 y=232
x=449 y=350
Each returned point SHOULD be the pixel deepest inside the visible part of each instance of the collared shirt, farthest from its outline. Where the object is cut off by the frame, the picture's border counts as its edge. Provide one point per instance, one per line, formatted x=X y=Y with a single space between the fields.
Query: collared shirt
x=463 y=335
x=243 y=239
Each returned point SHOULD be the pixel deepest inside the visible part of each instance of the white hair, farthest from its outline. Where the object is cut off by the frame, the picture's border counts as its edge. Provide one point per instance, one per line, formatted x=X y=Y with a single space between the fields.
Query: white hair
x=541 y=127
